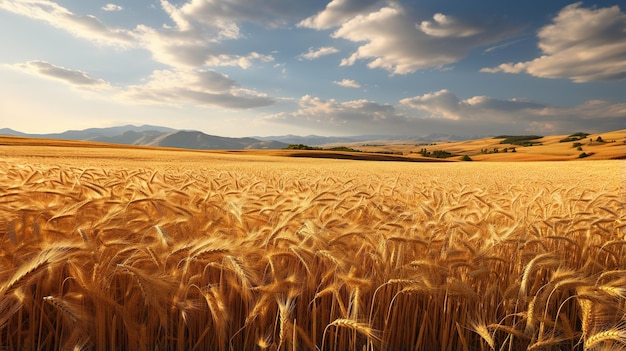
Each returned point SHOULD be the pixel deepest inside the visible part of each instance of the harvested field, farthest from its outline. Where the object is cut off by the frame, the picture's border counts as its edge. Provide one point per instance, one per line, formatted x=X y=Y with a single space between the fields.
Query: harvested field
x=114 y=249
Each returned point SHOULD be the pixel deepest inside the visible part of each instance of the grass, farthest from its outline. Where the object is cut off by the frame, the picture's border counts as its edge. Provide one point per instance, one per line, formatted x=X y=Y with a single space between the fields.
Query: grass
x=114 y=250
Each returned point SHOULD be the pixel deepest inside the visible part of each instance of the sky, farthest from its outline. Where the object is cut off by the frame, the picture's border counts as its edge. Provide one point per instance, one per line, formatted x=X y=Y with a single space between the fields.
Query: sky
x=337 y=68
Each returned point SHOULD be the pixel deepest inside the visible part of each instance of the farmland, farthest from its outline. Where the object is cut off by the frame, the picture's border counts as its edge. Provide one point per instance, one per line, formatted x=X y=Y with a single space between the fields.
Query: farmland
x=124 y=248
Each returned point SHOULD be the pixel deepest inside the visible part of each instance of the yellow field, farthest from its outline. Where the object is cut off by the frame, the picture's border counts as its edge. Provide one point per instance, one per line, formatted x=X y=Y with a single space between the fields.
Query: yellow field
x=551 y=149
x=119 y=248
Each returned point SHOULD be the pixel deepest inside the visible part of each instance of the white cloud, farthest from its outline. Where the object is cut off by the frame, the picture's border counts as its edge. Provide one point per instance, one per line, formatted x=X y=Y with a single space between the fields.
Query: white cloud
x=196 y=38
x=581 y=44
x=356 y=116
x=519 y=115
x=394 y=41
x=193 y=48
x=445 y=104
x=87 y=27
x=112 y=7
x=447 y=26
x=274 y=13
x=444 y=112
x=198 y=87
x=194 y=42
x=348 y=83
x=78 y=79
x=314 y=54
x=163 y=87
x=338 y=12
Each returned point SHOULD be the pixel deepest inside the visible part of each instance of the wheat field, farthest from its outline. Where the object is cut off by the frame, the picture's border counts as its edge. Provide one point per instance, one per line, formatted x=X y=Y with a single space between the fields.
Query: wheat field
x=180 y=251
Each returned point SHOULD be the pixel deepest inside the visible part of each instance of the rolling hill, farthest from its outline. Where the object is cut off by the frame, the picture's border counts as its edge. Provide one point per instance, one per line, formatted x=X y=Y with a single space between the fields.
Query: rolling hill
x=155 y=136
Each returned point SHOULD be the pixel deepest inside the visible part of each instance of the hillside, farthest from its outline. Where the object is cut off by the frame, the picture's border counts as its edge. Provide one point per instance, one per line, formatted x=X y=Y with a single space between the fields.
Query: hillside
x=546 y=148
x=155 y=136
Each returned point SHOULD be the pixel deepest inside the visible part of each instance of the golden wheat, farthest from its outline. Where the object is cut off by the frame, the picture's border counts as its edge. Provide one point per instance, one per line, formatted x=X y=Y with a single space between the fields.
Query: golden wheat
x=218 y=253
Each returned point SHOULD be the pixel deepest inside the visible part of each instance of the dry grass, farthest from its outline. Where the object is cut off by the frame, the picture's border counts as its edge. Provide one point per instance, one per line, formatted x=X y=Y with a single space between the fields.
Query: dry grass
x=151 y=250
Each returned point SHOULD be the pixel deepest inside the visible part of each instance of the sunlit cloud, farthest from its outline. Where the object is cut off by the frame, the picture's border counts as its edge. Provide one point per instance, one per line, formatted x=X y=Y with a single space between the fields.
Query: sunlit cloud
x=518 y=113
x=347 y=83
x=71 y=77
x=313 y=54
x=396 y=42
x=581 y=44
x=83 y=26
x=197 y=87
x=444 y=26
x=112 y=7
x=272 y=14
x=443 y=111
x=337 y=12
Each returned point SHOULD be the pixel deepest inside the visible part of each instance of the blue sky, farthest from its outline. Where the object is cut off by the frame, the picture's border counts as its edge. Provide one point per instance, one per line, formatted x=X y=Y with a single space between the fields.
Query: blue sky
x=340 y=67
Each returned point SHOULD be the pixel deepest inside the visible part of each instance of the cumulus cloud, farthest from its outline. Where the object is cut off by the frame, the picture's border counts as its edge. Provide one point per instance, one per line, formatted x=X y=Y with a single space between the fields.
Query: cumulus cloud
x=394 y=41
x=272 y=13
x=112 y=7
x=87 y=27
x=356 y=116
x=348 y=83
x=314 y=54
x=519 y=115
x=193 y=43
x=199 y=87
x=72 y=77
x=445 y=104
x=581 y=44
x=194 y=40
x=338 y=12
x=447 y=26
x=368 y=117
x=192 y=48
x=443 y=111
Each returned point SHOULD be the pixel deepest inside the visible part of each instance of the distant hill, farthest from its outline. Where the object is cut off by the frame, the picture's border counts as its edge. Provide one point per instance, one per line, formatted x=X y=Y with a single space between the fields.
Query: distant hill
x=148 y=135
x=316 y=140
x=156 y=136
x=9 y=131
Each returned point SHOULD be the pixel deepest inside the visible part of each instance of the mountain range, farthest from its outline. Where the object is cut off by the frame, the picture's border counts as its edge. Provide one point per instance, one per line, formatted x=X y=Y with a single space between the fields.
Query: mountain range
x=148 y=135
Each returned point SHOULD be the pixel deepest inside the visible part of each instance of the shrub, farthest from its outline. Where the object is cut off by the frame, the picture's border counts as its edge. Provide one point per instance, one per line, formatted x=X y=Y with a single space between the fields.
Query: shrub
x=302 y=147
x=390 y=152
x=574 y=137
x=306 y=147
x=523 y=140
x=466 y=158
x=343 y=148
x=441 y=154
